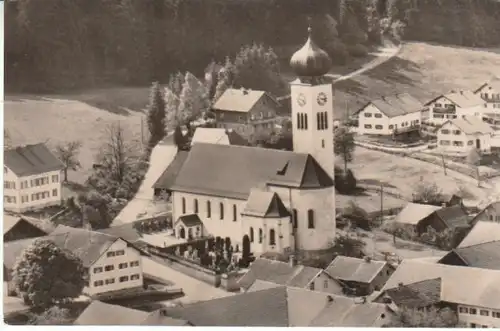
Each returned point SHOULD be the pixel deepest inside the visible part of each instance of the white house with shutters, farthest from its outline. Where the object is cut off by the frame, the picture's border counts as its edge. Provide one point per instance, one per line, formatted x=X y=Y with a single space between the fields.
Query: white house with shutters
x=454 y=105
x=490 y=93
x=463 y=134
x=32 y=178
x=395 y=114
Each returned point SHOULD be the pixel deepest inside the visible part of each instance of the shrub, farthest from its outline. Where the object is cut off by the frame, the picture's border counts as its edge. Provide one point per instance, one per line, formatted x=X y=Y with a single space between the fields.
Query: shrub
x=345 y=183
x=357 y=50
x=245 y=258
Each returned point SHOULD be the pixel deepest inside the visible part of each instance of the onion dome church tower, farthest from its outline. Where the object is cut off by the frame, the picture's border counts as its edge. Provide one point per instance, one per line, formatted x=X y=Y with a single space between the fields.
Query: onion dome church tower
x=312 y=122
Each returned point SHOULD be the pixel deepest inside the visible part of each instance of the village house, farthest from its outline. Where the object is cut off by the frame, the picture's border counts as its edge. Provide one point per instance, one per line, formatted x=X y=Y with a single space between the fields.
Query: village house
x=283 y=306
x=217 y=136
x=483 y=255
x=412 y=214
x=32 y=178
x=278 y=200
x=463 y=134
x=16 y=228
x=246 y=111
x=490 y=214
x=472 y=292
x=481 y=232
x=490 y=93
x=360 y=277
x=452 y=106
x=393 y=115
x=111 y=263
x=289 y=274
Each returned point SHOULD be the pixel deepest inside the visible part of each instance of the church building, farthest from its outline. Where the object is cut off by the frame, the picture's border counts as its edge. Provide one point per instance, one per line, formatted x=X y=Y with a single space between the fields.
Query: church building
x=282 y=200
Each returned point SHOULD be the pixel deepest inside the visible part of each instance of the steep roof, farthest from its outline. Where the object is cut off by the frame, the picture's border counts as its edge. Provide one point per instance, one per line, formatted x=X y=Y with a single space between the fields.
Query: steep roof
x=453 y=216
x=278 y=272
x=462 y=99
x=482 y=232
x=471 y=124
x=100 y=313
x=265 y=204
x=234 y=170
x=397 y=105
x=280 y=306
x=456 y=286
x=413 y=213
x=353 y=269
x=31 y=159
x=484 y=255
x=417 y=295
x=190 y=220
x=217 y=136
x=239 y=100
x=167 y=178
x=494 y=83
x=10 y=221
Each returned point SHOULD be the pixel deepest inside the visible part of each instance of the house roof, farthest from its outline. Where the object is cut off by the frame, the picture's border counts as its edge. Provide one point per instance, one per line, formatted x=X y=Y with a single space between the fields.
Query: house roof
x=413 y=213
x=235 y=170
x=239 y=100
x=10 y=221
x=217 y=136
x=494 y=83
x=278 y=272
x=397 y=105
x=167 y=178
x=265 y=204
x=100 y=313
x=481 y=232
x=31 y=159
x=259 y=285
x=279 y=306
x=353 y=269
x=484 y=255
x=417 y=295
x=453 y=216
x=190 y=220
x=471 y=124
x=85 y=244
x=457 y=286
x=124 y=231
x=462 y=99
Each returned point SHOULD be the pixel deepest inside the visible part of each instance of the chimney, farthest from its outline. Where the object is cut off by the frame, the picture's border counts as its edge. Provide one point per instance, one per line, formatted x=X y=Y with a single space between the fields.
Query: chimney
x=363 y=300
x=292 y=260
x=368 y=259
x=163 y=312
x=329 y=298
x=400 y=285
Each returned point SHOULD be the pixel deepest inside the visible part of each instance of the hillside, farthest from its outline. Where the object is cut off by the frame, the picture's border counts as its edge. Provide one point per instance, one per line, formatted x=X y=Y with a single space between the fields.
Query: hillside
x=422 y=70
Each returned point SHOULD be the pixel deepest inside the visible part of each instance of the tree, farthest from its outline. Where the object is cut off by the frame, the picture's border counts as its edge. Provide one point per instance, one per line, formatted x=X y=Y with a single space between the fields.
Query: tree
x=7 y=141
x=95 y=211
x=474 y=159
x=53 y=316
x=428 y=318
x=45 y=275
x=428 y=193
x=225 y=79
x=179 y=139
x=346 y=245
x=245 y=251
x=172 y=116
x=357 y=215
x=193 y=100
x=68 y=154
x=344 y=144
x=156 y=115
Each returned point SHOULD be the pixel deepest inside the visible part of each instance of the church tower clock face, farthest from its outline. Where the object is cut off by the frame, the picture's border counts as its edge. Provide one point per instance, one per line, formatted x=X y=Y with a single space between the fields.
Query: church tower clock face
x=301 y=99
x=322 y=99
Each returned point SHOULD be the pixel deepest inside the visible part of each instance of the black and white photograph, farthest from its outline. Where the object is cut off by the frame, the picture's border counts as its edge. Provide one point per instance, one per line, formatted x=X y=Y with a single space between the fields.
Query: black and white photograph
x=251 y=163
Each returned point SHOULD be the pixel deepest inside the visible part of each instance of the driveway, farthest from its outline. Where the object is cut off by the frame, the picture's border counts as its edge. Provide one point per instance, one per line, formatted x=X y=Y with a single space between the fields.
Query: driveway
x=143 y=203
x=194 y=289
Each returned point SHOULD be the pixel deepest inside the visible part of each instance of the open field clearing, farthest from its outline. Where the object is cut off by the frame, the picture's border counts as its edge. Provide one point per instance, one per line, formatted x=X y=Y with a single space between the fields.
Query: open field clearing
x=421 y=69
x=62 y=120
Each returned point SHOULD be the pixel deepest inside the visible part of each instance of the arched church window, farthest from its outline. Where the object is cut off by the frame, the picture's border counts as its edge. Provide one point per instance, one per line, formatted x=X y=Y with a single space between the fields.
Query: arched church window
x=209 y=209
x=305 y=121
x=261 y=235
x=235 y=213
x=318 y=120
x=299 y=121
x=272 y=237
x=310 y=219
x=295 y=218
x=182 y=233
x=183 y=201
x=325 y=120
x=221 y=207
x=195 y=206
x=251 y=235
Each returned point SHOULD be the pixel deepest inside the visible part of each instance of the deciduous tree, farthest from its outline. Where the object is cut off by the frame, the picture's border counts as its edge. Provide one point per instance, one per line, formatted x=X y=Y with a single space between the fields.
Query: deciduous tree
x=45 y=275
x=428 y=193
x=68 y=154
x=344 y=144
x=156 y=115
x=348 y=246
x=428 y=318
x=7 y=141
x=53 y=316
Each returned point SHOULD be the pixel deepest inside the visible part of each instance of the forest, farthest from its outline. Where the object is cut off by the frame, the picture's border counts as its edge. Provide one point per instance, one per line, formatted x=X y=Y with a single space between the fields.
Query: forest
x=59 y=45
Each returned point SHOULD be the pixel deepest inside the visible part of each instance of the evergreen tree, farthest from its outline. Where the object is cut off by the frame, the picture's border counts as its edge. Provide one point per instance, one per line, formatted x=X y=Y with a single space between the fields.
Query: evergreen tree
x=193 y=100
x=172 y=102
x=224 y=79
x=156 y=115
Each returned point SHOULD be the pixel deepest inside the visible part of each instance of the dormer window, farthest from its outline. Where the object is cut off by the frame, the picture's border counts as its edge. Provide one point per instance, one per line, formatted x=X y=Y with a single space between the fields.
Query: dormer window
x=282 y=171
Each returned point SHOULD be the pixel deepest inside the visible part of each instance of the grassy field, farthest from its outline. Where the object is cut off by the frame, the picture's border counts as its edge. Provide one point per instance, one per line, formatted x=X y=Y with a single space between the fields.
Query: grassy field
x=84 y=117
x=422 y=70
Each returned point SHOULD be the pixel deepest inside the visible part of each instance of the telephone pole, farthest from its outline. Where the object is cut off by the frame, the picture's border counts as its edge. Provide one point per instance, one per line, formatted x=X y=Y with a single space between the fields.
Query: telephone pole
x=444 y=164
x=381 y=202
